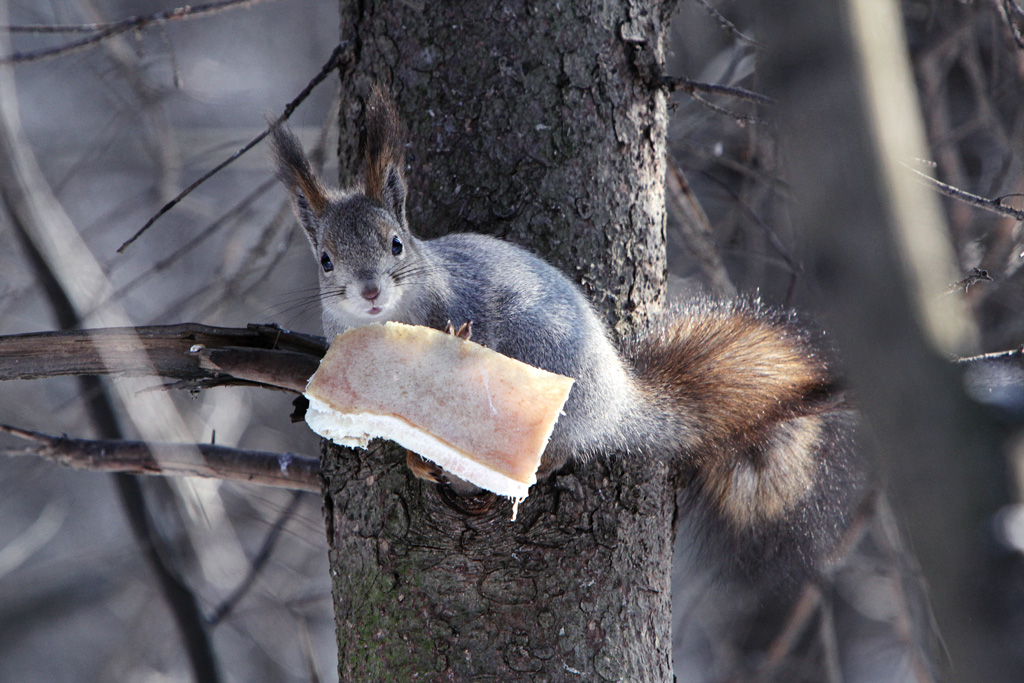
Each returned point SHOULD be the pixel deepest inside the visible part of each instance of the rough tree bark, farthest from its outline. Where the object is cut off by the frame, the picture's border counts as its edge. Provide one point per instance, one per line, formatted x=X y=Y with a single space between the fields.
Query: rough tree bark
x=535 y=122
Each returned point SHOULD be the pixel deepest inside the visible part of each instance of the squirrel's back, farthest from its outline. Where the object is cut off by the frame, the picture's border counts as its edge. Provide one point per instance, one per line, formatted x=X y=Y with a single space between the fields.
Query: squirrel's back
x=523 y=307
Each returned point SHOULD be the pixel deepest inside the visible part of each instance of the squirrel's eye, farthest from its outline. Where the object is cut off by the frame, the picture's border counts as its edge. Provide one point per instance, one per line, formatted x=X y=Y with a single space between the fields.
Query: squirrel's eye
x=396 y=246
x=325 y=261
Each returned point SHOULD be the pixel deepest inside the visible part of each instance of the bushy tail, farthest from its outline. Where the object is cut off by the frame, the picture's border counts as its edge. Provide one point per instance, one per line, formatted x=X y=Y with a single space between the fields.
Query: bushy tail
x=748 y=400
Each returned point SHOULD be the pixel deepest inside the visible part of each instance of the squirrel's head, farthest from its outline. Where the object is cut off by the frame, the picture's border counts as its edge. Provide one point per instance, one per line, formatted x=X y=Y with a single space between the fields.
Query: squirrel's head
x=360 y=238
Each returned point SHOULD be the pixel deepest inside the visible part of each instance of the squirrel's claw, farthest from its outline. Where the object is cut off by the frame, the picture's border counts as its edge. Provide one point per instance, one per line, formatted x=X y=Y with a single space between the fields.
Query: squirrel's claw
x=424 y=469
x=464 y=332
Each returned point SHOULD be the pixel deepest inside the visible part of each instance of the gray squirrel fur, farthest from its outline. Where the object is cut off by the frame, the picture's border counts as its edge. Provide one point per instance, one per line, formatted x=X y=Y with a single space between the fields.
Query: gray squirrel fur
x=735 y=389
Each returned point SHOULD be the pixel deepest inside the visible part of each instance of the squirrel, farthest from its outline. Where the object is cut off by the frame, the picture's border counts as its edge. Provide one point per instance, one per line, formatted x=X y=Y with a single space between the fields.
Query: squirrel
x=734 y=388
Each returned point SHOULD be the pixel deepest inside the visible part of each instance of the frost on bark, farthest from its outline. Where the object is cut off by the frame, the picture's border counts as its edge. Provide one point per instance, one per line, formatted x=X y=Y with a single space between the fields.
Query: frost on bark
x=535 y=122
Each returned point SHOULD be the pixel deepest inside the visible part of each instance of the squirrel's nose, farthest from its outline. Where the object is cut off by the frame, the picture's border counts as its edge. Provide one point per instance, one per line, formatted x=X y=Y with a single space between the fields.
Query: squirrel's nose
x=370 y=293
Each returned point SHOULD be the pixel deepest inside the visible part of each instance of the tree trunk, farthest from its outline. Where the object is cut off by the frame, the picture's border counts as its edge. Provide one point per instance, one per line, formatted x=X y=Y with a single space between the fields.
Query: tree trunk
x=535 y=122
x=577 y=588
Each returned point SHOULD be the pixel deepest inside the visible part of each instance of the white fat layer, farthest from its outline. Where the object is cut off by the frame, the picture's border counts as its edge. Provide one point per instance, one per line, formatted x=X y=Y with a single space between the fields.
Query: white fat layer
x=357 y=429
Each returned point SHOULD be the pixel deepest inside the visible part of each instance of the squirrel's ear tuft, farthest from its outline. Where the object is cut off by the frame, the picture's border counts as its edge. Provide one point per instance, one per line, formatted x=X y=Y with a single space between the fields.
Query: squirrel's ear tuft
x=393 y=193
x=385 y=154
x=308 y=195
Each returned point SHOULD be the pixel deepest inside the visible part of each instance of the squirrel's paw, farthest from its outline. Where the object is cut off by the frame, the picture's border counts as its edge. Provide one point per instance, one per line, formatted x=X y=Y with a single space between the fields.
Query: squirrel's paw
x=424 y=469
x=464 y=332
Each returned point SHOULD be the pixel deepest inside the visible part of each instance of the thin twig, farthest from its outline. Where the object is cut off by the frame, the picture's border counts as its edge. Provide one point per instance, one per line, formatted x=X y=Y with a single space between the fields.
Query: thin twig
x=974 y=277
x=773 y=238
x=151 y=105
x=829 y=640
x=273 y=240
x=805 y=607
x=697 y=231
x=1014 y=23
x=1011 y=355
x=307 y=650
x=333 y=63
x=18 y=550
x=109 y=30
x=758 y=175
x=181 y=599
x=739 y=118
x=206 y=233
x=282 y=470
x=728 y=25
x=995 y=205
x=258 y=562
x=58 y=28
x=807 y=604
x=690 y=87
x=900 y=562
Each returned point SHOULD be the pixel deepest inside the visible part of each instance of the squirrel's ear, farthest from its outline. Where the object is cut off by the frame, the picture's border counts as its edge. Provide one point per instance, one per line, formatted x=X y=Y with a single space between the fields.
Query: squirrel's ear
x=309 y=198
x=393 y=193
x=385 y=154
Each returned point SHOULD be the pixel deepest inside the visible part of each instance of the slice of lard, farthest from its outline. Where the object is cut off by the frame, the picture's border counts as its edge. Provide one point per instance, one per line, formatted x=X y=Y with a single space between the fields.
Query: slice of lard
x=477 y=414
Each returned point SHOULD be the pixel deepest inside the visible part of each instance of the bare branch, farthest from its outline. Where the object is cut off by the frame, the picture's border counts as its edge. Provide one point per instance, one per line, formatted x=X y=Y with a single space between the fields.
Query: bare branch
x=160 y=143
x=104 y=31
x=696 y=228
x=274 y=237
x=810 y=600
x=260 y=560
x=330 y=65
x=40 y=532
x=690 y=87
x=995 y=205
x=206 y=233
x=282 y=470
x=1013 y=15
x=797 y=621
x=199 y=355
x=916 y=645
x=1011 y=356
x=974 y=277
x=740 y=119
x=774 y=241
x=728 y=25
